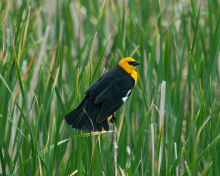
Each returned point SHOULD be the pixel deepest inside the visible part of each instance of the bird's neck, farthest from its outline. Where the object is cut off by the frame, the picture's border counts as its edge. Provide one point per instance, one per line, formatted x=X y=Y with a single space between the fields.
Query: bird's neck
x=134 y=75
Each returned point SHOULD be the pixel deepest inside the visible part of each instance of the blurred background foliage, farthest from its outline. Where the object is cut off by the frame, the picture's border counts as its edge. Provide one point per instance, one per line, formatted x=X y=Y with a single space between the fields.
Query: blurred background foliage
x=52 y=51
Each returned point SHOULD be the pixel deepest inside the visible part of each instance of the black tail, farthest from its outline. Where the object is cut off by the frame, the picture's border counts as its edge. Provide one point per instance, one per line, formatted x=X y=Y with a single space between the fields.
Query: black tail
x=85 y=116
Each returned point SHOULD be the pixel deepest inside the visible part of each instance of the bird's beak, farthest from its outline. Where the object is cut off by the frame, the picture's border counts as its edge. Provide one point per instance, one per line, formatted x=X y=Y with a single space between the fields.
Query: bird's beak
x=136 y=63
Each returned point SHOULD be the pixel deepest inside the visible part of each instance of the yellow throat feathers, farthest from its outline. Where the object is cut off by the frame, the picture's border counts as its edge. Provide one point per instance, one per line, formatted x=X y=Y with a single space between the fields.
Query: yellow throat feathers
x=130 y=69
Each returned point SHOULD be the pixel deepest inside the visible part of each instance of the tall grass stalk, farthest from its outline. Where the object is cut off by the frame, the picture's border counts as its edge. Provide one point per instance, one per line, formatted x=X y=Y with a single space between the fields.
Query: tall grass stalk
x=162 y=112
x=115 y=148
x=153 y=150
x=175 y=152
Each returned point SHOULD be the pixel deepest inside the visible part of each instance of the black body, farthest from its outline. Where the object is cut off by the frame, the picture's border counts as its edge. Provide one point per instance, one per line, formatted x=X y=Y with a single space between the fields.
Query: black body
x=101 y=100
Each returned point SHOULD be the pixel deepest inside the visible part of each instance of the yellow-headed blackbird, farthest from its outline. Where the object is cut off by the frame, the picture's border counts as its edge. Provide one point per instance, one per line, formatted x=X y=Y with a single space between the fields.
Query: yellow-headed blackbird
x=105 y=97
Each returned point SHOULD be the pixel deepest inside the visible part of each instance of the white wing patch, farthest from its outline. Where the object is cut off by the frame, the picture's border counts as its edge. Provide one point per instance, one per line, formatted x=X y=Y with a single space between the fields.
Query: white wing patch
x=126 y=96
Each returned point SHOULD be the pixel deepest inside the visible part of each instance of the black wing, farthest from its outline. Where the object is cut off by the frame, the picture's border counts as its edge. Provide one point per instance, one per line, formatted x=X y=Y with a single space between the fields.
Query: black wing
x=111 y=97
x=109 y=90
x=116 y=89
x=102 y=82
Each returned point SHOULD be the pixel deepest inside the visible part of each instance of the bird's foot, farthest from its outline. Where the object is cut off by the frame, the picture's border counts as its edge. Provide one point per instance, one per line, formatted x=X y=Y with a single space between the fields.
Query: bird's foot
x=113 y=119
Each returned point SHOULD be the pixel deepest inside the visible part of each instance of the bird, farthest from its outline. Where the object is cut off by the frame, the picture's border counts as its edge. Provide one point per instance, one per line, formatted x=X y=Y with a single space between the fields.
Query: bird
x=104 y=98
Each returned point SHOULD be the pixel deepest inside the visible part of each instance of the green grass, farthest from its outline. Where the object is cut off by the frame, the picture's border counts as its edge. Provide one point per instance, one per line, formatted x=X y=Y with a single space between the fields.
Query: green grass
x=52 y=51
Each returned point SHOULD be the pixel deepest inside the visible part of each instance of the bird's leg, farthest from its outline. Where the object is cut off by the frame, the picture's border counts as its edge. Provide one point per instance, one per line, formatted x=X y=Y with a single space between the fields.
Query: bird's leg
x=113 y=119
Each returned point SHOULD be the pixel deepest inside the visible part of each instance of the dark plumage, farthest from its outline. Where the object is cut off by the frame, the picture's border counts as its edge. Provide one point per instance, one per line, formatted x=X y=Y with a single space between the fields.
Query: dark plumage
x=101 y=100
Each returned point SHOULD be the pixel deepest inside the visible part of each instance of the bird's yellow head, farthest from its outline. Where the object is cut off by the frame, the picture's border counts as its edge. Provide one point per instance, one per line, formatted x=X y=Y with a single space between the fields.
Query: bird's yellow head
x=129 y=65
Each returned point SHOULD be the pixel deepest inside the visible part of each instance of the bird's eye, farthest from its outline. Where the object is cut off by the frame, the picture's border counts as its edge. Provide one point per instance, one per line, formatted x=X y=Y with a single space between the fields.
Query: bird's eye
x=131 y=63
